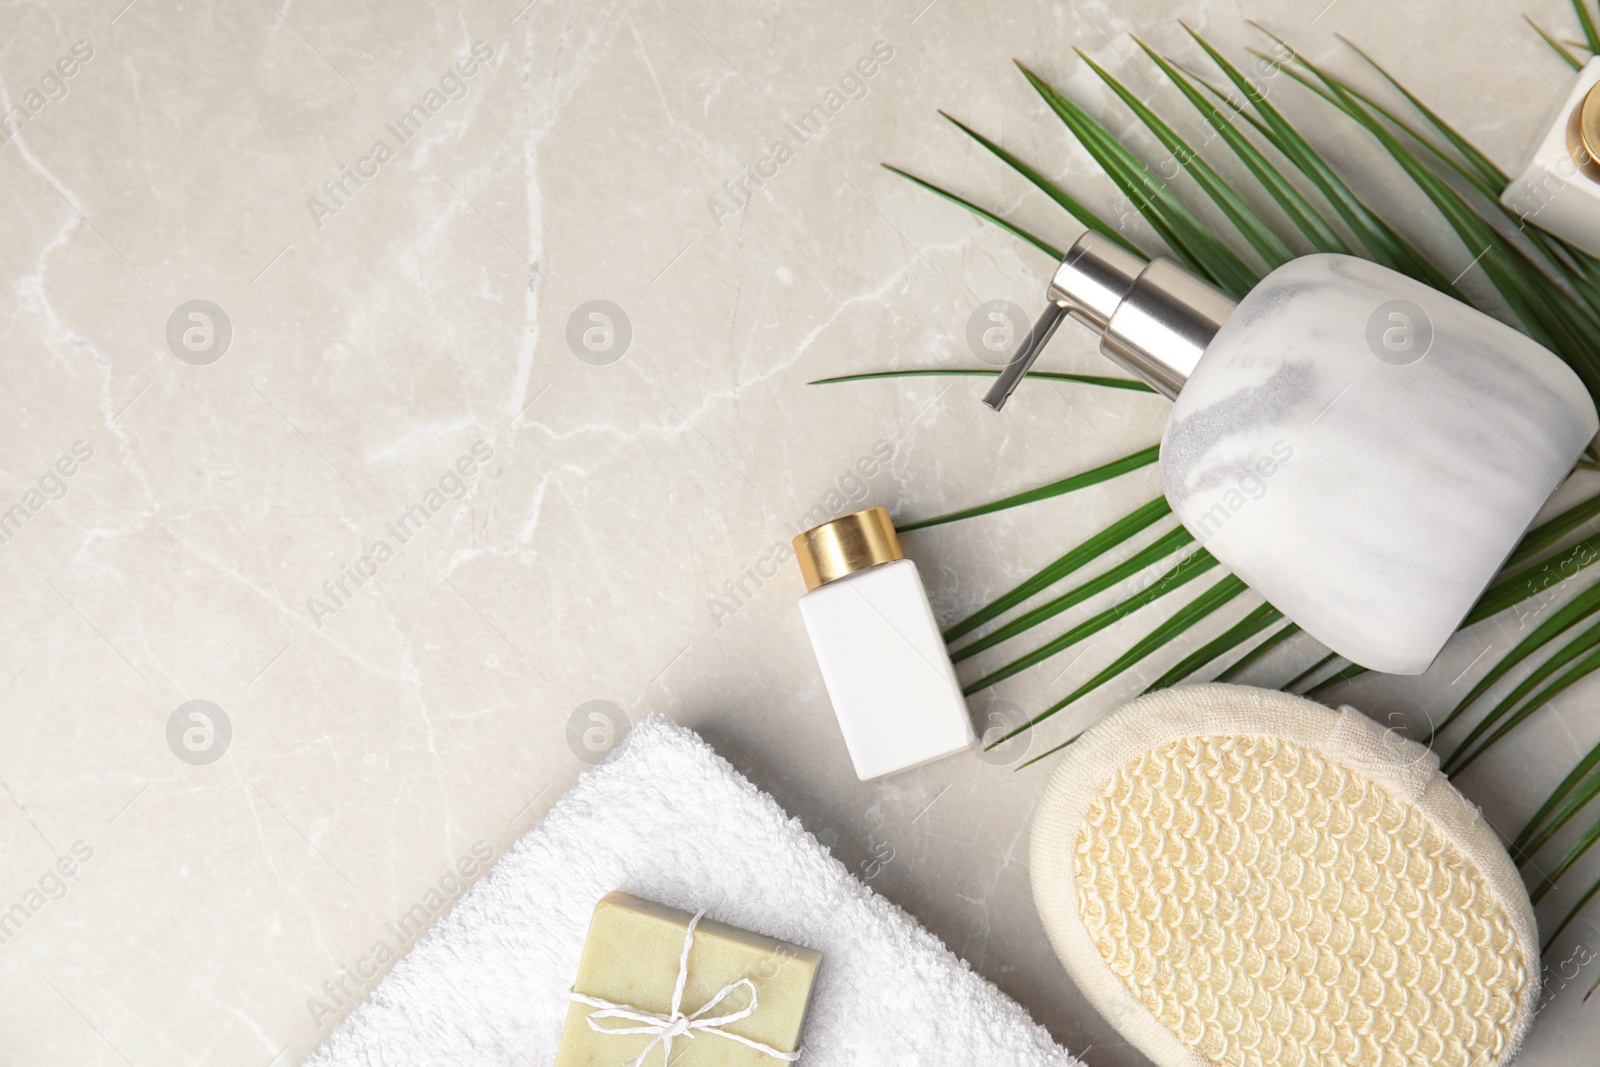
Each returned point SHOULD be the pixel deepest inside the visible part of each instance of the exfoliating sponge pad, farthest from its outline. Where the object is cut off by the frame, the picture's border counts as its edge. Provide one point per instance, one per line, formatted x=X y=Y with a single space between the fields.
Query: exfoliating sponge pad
x=1241 y=877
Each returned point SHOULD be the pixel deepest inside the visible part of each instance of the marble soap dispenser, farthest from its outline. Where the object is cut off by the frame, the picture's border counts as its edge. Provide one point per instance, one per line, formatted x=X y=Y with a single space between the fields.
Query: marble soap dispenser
x=1557 y=187
x=1361 y=449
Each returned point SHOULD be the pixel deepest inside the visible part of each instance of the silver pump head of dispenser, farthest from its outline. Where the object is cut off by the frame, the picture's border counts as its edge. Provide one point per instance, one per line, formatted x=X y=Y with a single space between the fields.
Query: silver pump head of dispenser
x=1154 y=319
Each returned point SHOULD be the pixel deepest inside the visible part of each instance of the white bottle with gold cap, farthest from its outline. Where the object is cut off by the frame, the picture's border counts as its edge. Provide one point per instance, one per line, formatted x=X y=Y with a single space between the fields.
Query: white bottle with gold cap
x=888 y=674
x=1558 y=186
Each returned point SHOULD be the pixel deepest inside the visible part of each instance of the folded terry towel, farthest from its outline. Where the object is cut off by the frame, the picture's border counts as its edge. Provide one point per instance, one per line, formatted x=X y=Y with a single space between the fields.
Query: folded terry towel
x=668 y=819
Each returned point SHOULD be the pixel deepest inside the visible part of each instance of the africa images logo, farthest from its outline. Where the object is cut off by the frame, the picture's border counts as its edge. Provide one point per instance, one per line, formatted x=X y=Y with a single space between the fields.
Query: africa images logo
x=737 y=194
x=338 y=191
x=453 y=484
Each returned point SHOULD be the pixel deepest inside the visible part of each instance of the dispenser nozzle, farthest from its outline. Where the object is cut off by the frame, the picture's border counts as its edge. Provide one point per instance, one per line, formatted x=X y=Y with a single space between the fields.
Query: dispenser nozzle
x=1032 y=345
x=1155 y=319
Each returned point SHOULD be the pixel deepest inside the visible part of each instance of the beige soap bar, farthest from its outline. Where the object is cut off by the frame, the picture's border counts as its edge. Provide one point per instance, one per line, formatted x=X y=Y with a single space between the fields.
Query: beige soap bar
x=631 y=957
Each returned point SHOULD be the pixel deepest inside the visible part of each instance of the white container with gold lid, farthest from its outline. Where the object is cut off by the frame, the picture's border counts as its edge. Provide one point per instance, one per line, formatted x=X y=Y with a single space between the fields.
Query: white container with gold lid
x=883 y=660
x=1557 y=187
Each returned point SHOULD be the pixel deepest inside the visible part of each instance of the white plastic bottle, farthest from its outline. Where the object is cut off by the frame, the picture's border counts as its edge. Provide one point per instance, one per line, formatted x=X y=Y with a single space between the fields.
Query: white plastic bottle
x=1557 y=187
x=883 y=661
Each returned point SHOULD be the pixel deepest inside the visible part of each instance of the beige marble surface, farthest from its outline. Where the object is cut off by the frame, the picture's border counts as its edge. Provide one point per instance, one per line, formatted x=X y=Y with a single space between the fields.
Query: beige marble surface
x=228 y=912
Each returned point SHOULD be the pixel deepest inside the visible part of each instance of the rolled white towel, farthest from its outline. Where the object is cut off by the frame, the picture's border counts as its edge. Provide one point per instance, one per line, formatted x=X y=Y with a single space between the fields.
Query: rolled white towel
x=667 y=819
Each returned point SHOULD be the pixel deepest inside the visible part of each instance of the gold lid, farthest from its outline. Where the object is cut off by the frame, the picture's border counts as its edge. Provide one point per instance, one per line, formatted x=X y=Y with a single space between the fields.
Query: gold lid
x=1586 y=152
x=847 y=544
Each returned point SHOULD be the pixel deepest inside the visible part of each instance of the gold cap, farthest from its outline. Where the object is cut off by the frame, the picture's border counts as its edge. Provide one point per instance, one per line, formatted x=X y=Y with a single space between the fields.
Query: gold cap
x=1583 y=133
x=847 y=544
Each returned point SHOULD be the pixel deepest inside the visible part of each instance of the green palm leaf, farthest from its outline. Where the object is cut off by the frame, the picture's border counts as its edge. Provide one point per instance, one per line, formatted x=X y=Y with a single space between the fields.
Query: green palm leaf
x=1310 y=671
x=1338 y=677
x=1546 y=534
x=1383 y=244
x=1288 y=199
x=1506 y=592
x=1577 y=268
x=1104 y=473
x=1096 y=546
x=1569 y=615
x=1259 y=619
x=1567 y=799
x=1573 y=914
x=1182 y=619
x=1460 y=759
x=1513 y=589
x=1049 y=376
x=1051 y=189
x=1586 y=21
x=988 y=216
x=1492 y=178
x=1560 y=49
x=1549 y=314
x=1163 y=547
x=1190 y=568
x=1250 y=658
x=1268 y=245
x=1048 y=752
x=1573 y=855
x=1189 y=239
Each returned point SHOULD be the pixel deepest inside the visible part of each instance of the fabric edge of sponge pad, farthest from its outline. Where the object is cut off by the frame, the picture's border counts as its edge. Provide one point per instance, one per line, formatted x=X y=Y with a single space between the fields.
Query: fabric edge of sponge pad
x=1407 y=771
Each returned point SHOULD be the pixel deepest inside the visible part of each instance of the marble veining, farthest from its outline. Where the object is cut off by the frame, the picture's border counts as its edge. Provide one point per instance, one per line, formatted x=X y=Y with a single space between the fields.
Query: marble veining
x=1365 y=452
x=238 y=881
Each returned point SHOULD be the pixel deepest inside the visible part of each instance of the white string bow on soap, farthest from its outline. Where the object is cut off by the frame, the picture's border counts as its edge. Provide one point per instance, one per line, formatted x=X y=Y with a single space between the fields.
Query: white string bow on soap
x=675 y=1024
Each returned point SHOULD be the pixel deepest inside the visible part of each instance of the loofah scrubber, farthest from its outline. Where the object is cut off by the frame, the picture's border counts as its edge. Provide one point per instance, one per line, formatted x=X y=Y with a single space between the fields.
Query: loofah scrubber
x=1240 y=877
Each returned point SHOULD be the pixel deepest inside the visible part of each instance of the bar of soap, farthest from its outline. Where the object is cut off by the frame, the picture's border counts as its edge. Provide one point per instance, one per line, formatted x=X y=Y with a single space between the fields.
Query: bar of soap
x=631 y=958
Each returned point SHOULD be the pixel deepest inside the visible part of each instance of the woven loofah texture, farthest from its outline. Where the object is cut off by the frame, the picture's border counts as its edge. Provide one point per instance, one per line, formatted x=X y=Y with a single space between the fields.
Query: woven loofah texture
x=1272 y=908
